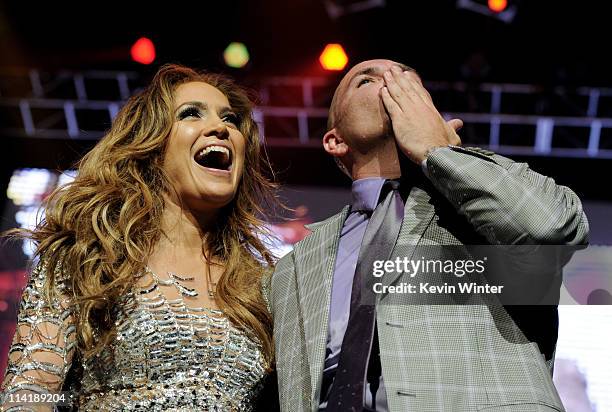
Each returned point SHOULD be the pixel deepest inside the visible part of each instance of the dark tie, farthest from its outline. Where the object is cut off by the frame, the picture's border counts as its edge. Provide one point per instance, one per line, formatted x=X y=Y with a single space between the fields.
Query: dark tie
x=378 y=241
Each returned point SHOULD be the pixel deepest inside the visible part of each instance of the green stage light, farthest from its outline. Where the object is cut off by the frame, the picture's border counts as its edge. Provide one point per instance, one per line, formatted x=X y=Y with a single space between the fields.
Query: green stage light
x=236 y=55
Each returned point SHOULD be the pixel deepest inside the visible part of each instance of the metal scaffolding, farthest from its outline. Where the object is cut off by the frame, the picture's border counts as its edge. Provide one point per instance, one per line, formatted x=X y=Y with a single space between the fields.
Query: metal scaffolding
x=507 y=118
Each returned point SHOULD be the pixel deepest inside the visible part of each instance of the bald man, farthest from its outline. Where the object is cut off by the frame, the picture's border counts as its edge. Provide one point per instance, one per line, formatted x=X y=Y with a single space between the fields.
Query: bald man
x=339 y=347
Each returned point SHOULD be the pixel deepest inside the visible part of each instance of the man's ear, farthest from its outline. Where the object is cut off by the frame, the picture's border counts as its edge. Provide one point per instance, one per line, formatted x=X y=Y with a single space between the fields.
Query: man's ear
x=334 y=144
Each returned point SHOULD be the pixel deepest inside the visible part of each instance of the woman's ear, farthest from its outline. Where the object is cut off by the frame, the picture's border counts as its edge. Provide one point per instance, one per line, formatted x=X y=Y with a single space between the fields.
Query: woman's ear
x=334 y=144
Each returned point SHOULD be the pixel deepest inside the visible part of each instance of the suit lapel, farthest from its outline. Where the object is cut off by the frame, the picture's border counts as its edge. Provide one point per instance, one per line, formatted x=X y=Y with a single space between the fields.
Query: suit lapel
x=315 y=261
x=418 y=213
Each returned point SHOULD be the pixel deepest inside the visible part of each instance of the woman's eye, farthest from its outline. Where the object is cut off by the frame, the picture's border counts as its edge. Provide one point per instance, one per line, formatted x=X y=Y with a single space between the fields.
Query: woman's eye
x=189 y=112
x=232 y=118
x=364 y=81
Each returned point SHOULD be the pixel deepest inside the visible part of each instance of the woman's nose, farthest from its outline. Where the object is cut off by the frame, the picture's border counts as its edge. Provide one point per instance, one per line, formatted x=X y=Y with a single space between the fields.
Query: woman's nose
x=218 y=129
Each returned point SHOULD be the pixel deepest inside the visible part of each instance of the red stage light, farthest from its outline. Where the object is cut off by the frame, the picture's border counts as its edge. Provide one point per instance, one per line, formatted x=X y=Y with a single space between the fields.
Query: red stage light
x=333 y=57
x=498 y=5
x=143 y=51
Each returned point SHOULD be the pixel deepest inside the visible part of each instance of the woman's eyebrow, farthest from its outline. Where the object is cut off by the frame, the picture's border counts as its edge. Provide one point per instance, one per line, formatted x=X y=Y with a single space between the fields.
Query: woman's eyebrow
x=204 y=106
x=198 y=104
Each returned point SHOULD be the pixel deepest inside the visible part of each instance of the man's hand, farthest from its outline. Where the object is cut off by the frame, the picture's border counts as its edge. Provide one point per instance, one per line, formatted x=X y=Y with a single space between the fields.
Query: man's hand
x=417 y=124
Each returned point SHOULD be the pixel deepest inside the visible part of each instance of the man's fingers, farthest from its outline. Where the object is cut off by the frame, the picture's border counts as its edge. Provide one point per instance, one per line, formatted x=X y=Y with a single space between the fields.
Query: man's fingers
x=390 y=104
x=452 y=136
x=404 y=82
x=456 y=124
x=414 y=83
x=398 y=94
x=427 y=97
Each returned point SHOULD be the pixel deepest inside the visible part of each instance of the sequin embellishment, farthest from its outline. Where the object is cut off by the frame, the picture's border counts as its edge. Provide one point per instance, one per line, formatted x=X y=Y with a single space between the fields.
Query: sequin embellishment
x=166 y=355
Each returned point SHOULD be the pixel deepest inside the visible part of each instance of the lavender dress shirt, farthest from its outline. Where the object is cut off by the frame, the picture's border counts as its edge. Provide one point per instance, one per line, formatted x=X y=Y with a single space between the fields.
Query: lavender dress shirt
x=365 y=194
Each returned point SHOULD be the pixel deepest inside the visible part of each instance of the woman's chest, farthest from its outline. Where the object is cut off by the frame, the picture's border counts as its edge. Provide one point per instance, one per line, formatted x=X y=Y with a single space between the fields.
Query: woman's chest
x=163 y=340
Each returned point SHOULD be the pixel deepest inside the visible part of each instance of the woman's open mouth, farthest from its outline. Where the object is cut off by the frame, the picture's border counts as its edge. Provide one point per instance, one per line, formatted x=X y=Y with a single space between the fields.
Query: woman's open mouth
x=215 y=157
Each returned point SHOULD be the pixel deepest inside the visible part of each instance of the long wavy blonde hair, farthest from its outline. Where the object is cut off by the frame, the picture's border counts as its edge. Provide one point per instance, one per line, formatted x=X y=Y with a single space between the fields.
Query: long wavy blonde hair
x=102 y=226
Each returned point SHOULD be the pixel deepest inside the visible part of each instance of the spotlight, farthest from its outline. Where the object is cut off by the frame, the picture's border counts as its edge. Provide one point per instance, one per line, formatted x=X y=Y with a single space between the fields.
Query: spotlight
x=497 y=6
x=333 y=57
x=143 y=51
x=236 y=55
x=498 y=9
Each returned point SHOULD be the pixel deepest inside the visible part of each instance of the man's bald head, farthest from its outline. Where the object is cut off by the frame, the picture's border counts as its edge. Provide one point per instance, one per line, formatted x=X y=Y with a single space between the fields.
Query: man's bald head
x=357 y=118
x=368 y=67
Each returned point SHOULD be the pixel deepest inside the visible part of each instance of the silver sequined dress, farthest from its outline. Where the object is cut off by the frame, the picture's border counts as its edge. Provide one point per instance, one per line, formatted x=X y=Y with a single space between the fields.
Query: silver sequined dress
x=166 y=356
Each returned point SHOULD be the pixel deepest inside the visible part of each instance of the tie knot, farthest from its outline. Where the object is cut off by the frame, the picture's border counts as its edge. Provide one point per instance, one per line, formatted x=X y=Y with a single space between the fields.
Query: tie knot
x=388 y=186
x=391 y=184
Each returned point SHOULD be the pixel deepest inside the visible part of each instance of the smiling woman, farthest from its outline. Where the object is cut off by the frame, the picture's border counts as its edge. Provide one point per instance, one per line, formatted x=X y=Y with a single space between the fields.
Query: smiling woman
x=206 y=149
x=142 y=294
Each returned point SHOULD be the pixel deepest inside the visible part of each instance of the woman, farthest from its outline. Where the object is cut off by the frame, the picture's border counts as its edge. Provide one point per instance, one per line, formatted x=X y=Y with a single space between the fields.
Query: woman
x=144 y=293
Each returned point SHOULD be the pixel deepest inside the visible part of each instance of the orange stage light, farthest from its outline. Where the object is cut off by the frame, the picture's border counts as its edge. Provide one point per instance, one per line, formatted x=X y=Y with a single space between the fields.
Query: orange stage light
x=333 y=57
x=498 y=5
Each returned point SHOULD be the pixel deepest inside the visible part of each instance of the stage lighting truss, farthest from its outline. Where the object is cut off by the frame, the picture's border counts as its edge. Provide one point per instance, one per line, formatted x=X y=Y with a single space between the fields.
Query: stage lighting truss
x=507 y=118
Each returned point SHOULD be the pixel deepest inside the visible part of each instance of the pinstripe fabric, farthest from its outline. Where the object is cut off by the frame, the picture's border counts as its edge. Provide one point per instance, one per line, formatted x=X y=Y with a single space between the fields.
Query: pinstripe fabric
x=434 y=357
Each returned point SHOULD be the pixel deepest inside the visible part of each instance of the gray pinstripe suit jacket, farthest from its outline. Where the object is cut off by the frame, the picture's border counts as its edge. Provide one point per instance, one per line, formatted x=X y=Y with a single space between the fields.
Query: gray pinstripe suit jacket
x=434 y=357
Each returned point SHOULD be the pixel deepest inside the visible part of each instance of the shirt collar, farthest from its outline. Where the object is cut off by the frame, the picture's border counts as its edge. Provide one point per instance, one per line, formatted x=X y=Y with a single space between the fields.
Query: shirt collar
x=365 y=193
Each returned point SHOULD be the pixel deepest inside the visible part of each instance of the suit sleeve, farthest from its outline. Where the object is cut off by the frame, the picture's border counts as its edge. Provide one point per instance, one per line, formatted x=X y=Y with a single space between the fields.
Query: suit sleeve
x=506 y=201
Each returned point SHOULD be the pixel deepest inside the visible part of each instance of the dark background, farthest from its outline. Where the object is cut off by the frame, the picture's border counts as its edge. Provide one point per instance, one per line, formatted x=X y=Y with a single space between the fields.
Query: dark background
x=547 y=41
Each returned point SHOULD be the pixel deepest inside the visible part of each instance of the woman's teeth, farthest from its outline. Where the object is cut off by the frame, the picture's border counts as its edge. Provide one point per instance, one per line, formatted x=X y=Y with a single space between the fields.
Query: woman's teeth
x=209 y=149
x=214 y=157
